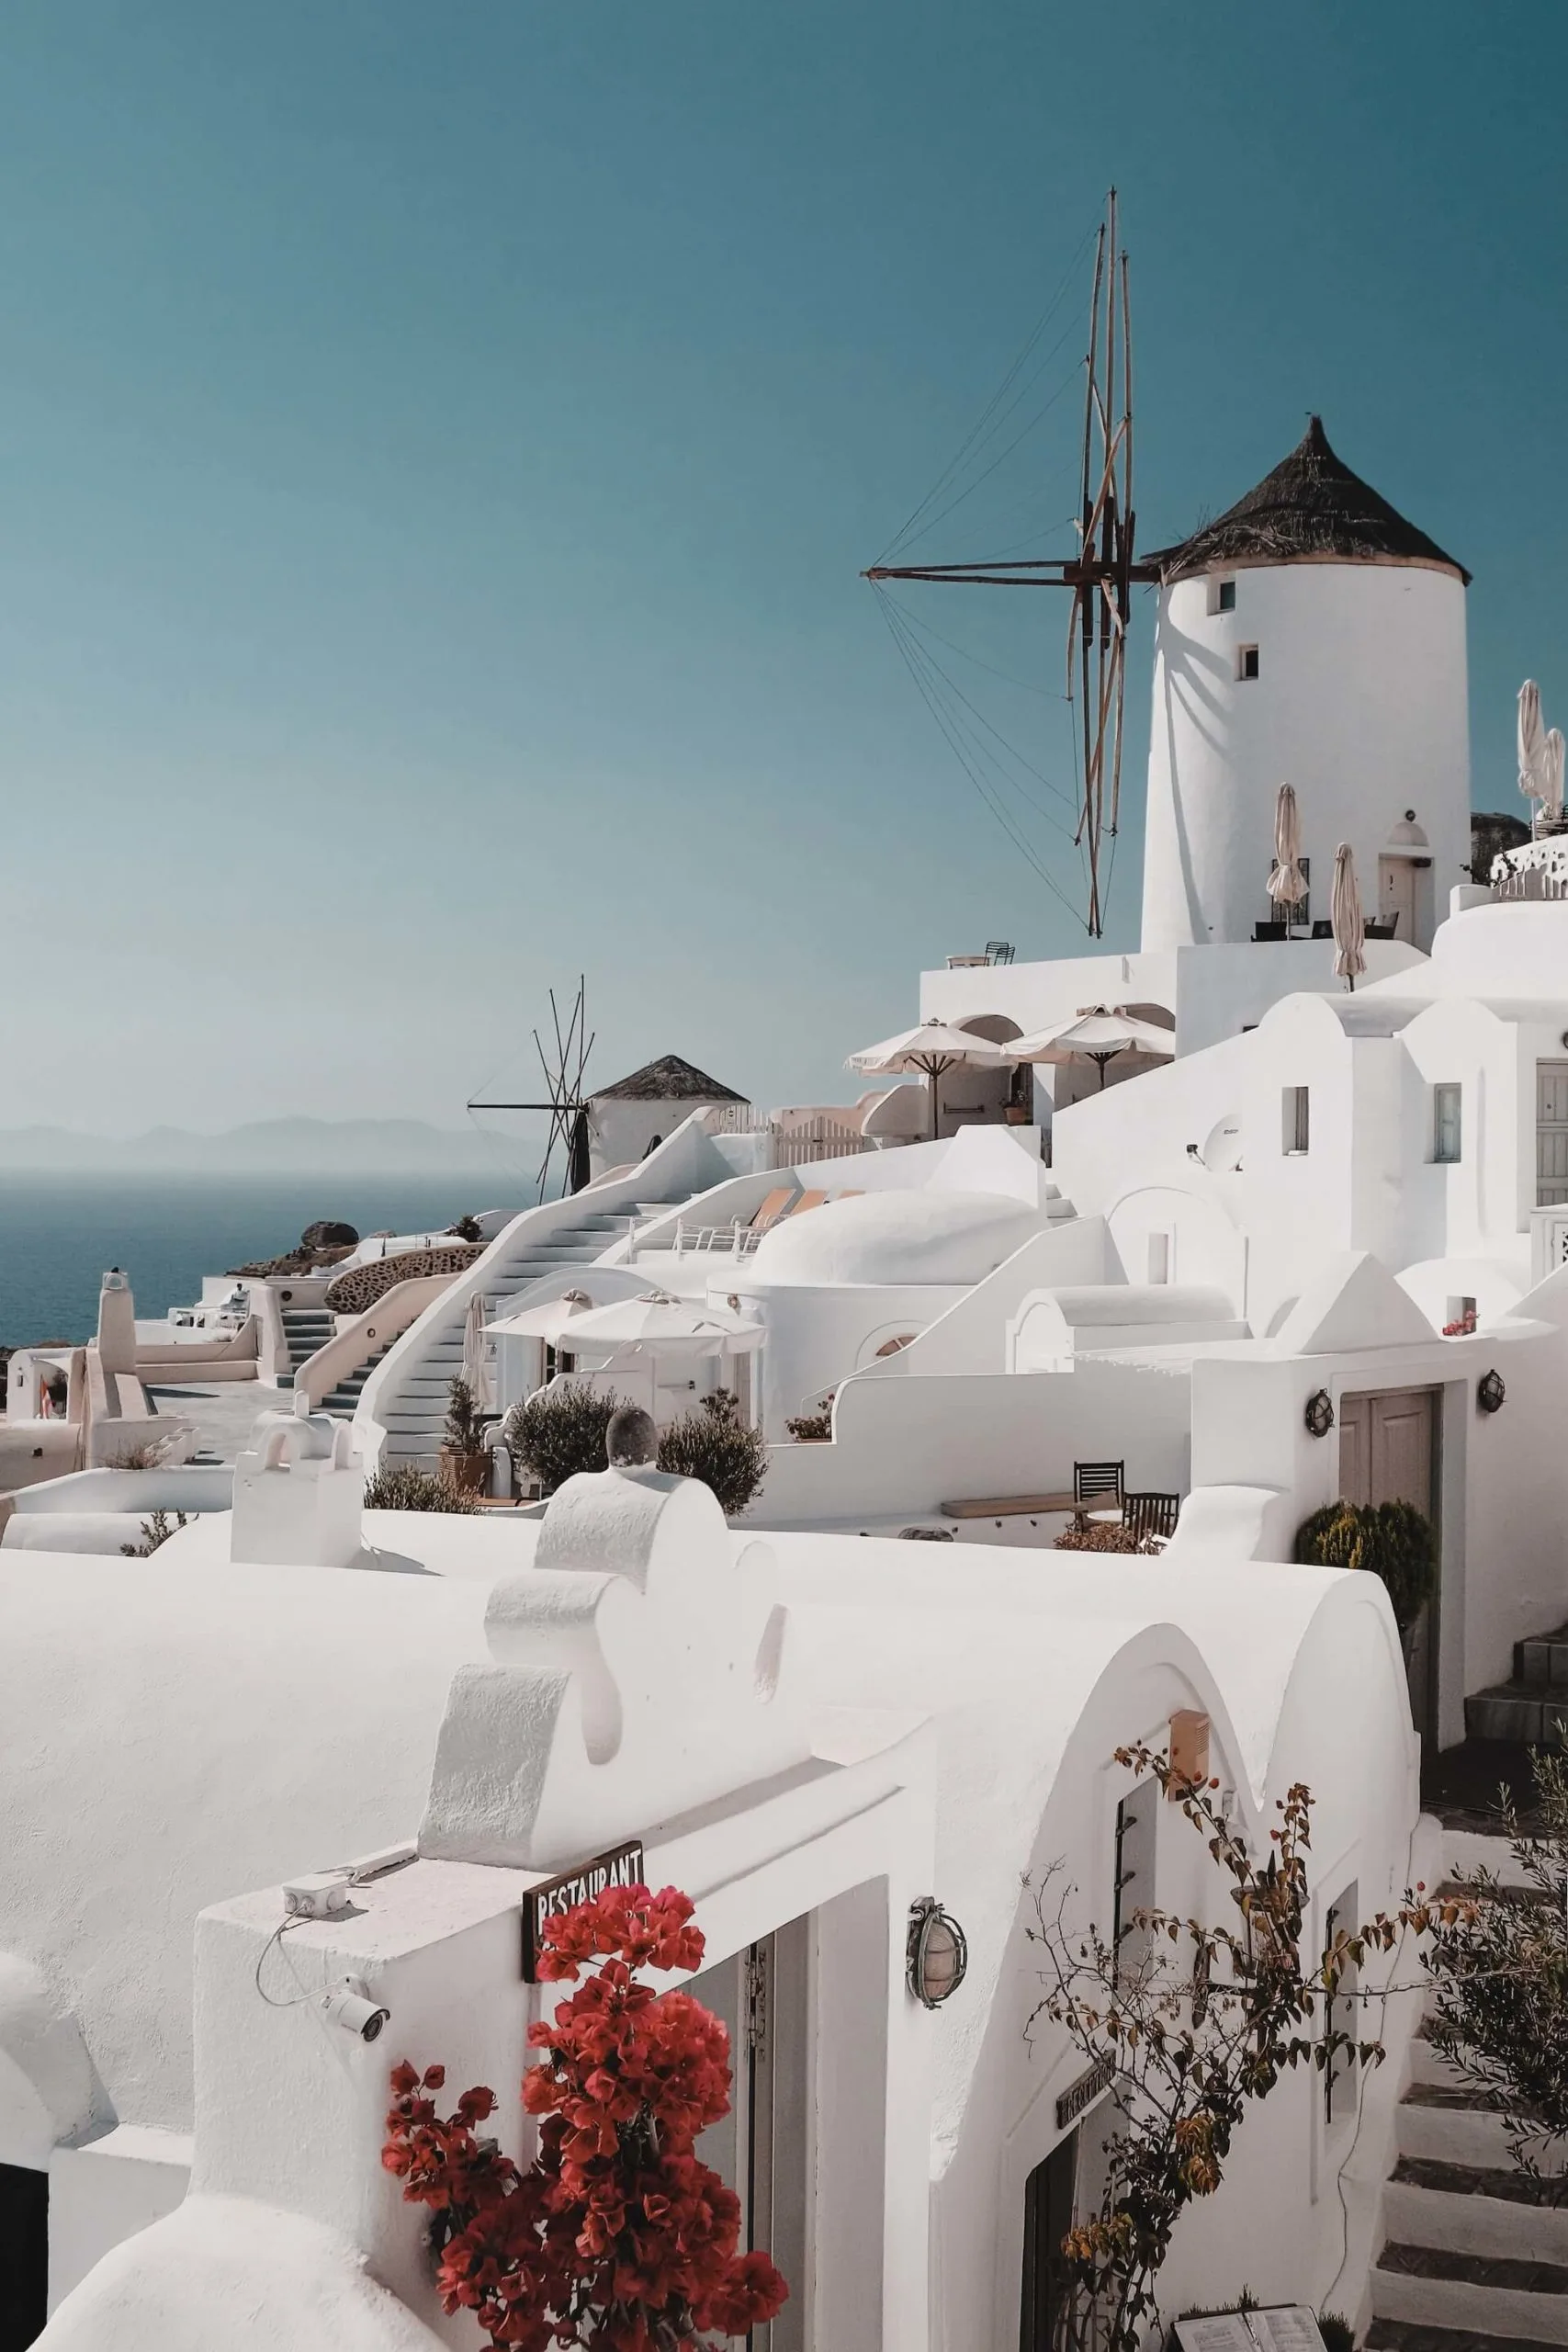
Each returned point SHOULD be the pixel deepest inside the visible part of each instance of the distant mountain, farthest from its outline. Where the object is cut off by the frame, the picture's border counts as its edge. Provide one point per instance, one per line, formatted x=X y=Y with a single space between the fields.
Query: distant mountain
x=264 y=1147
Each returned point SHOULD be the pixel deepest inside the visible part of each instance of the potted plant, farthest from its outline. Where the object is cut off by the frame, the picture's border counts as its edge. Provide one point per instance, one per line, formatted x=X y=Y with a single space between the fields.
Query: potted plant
x=464 y=1461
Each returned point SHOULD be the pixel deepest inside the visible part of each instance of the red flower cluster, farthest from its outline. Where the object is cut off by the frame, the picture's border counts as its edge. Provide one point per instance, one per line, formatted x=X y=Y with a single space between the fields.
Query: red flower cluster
x=618 y=2236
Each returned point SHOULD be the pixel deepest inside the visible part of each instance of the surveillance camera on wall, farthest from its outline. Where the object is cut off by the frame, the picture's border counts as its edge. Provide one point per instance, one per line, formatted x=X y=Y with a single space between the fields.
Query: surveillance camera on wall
x=349 y=2006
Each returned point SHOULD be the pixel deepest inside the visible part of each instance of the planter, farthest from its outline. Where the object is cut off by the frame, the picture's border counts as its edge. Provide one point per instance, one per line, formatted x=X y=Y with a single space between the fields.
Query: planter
x=467 y=1472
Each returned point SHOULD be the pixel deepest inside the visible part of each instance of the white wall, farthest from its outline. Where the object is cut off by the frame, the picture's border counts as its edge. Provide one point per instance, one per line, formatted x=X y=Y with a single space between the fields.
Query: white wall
x=1360 y=703
x=901 y=1447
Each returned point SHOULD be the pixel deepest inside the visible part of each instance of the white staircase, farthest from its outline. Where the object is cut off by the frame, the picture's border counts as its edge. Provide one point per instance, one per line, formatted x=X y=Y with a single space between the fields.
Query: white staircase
x=409 y=1398
x=1475 y=2254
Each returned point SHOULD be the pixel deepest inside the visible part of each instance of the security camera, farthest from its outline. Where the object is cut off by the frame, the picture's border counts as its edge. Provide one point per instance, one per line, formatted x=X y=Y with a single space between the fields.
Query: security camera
x=348 y=2006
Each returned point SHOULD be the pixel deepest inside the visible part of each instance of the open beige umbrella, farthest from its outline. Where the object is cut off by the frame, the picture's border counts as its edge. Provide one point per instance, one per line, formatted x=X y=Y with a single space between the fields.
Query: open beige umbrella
x=666 y=1325
x=1349 y=925
x=1287 y=884
x=930 y=1049
x=1532 y=743
x=1094 y=1035
x=547 y=1322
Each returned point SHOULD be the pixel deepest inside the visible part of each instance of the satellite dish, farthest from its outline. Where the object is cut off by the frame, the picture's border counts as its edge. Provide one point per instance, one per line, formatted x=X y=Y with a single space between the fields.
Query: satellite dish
x=1222 y=1153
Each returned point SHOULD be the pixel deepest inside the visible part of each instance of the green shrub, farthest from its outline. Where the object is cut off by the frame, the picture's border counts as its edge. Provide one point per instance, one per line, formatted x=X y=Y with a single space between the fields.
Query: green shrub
x=407 y=1487
x=1338 y=2334
x=559 y=1431
x=464 y=1423
x=715 y=1445
x=1393 y=1541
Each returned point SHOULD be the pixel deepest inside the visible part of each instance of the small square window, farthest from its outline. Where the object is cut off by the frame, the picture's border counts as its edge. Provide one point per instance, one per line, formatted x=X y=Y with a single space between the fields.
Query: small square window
x=1446 y=1133
x=1295 y=1121
x=1246 y=661
x=1225 y=600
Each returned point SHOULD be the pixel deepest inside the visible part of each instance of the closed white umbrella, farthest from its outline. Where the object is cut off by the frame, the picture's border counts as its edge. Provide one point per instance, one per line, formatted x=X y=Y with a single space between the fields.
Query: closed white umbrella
x=1349 y=925
x=1532 y=743
x=1287 y=884
x=931 y=1049
x=1551 y=798
x=1094 y=1035
x=475 y=1372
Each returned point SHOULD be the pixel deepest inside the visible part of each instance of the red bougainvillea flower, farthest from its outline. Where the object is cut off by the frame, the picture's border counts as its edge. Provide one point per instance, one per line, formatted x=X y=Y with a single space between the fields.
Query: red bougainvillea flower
x=618 y=2236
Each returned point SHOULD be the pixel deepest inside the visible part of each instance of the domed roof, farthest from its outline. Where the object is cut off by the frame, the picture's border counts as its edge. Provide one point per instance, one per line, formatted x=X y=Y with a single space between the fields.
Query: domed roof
x=1312 y=508
x=900 y=1238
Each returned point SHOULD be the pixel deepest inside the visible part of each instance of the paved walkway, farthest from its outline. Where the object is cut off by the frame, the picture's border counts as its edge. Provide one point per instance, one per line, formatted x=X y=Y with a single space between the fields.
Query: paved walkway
x=225 y=1414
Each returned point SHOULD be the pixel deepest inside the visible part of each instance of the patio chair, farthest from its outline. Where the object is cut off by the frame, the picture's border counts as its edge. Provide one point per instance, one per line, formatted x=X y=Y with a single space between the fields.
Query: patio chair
x=785 y=1203
x=1145 y=1513
x=734 y=1235
x=1097 y=1482
x=1261 y=930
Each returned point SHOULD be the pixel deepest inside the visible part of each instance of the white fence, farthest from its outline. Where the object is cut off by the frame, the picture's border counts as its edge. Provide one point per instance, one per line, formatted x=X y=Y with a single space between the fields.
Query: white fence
x=792 y=1146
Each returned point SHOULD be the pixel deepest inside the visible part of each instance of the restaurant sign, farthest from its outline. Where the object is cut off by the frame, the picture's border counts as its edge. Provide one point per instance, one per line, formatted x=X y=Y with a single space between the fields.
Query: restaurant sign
x=1080 y=2096
x=622 y=1866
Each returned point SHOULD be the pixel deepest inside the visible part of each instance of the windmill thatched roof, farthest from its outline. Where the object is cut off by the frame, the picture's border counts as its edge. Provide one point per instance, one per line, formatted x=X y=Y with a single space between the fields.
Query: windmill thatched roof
x=1312 y=507
x=669 y=1079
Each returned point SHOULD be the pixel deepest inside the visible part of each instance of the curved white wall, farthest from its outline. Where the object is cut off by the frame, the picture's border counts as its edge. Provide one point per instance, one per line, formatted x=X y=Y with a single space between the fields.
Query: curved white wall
x=1361 y=702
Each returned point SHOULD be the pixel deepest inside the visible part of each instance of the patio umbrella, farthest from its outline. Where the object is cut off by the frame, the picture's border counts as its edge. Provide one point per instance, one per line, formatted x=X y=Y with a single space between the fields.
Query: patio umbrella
x=1350 y=927
x=1094 y=1035
x=1532 y=743
x=1287 y=884
x=1551 y=798
x=547 y=1322
x=931 y=1049
x=475 y=1370
x=667 y=1324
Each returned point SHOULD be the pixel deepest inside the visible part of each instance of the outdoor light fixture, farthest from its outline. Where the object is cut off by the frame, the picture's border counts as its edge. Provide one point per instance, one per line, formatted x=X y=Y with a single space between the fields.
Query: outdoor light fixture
x=1319 y=1413
x=937 y=1953
x=1490 y=1392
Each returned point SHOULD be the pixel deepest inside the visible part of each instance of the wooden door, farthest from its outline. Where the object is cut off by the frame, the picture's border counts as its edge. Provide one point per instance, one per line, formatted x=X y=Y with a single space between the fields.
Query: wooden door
x=1396 y=897
x=759 y=2148
x=1551 y=1133
x=1047 y=2217
x=1388 y=1453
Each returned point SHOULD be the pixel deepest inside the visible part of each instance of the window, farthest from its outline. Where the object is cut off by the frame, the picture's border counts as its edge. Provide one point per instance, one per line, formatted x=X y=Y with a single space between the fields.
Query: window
x=1159 y=1256
x=1225 y=600
x=1134 y=1884
x=1296 y=1130
x=1446 y=1100
x=1343 y=2012
x=1246 y=661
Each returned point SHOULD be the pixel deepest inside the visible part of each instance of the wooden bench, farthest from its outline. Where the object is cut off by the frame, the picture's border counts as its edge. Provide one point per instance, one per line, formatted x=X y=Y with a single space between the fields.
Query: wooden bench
x=1010 y=1505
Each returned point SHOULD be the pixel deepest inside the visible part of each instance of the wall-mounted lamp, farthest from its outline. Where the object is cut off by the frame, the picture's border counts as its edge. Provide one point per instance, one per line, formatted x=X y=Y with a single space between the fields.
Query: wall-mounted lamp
x=936 y=1953
x=1319 y=1413
x=1490 y=1392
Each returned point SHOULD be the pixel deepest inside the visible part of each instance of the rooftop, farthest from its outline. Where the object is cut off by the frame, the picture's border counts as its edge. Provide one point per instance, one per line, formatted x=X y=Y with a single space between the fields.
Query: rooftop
x=668 y=1079
x=1312 y=508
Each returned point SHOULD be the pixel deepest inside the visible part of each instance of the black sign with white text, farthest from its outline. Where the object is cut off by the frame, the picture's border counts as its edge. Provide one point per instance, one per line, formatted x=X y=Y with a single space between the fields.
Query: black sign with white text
x=622 y=1866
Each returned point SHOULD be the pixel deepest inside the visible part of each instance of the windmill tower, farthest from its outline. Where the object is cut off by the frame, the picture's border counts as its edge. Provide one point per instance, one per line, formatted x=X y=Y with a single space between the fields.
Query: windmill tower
x=1310 y=635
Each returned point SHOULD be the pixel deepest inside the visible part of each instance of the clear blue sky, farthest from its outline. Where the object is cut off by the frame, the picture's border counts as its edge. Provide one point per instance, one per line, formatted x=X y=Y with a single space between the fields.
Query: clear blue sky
x=439 y=445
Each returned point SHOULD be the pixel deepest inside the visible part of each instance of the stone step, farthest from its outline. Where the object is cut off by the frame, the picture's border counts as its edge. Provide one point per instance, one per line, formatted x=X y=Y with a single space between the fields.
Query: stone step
x=1541 y=1662
x=1474 y=2211
x=1441 y=2127
x=1526 y=1713
x=1441 y=2287
x=1398 y=2335
x=1428 y=2066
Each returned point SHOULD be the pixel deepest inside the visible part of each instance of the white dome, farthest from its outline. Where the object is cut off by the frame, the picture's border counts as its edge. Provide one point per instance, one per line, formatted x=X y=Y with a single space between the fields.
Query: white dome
x=894 y=1237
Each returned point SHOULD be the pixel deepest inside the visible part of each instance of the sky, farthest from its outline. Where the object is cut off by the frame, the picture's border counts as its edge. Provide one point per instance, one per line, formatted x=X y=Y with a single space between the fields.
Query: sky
x=439 y=448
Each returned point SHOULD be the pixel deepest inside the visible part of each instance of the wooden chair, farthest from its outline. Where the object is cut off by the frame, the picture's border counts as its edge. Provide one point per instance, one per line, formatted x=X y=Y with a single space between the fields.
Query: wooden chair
x=1145 y=1513
x=1097 y=1482
x=772 y=1211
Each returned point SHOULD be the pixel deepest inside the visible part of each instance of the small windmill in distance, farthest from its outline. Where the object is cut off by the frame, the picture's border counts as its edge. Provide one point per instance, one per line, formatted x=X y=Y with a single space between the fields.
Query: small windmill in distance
x=568 y=1105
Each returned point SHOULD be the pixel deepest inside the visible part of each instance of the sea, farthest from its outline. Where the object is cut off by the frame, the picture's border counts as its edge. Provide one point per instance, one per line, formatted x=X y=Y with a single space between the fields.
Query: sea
x=59 y=1233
